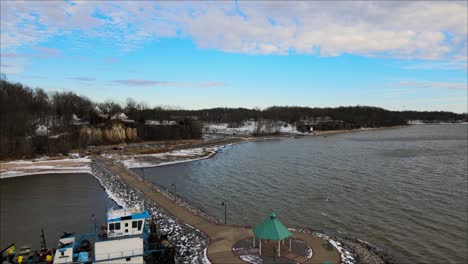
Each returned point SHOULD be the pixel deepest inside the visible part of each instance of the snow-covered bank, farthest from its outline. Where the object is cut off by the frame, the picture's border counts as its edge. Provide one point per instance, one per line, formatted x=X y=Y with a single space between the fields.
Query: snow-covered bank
x=425 y=122
x=347 y=257
x=190 y=244
x=249 y=128
x=13 y=174
x=353 y=250
x=44 y=166
x=166 y=158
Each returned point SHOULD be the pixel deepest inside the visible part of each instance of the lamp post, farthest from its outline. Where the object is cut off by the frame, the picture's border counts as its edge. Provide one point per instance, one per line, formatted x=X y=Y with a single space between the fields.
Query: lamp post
x=175 y=187
x=143 y=172
x=225 y=211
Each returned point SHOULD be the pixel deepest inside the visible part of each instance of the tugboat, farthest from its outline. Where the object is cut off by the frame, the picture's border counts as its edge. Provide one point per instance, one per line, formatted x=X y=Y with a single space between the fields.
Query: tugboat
x=126 y=238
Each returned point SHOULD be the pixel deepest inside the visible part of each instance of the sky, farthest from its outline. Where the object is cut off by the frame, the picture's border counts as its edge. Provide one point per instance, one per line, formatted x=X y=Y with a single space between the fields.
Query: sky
x=399 y=55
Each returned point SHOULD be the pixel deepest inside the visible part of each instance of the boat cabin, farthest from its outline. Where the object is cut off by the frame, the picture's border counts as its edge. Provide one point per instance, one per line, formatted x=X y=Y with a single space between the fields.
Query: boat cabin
x=125 y=237
x=125 y=222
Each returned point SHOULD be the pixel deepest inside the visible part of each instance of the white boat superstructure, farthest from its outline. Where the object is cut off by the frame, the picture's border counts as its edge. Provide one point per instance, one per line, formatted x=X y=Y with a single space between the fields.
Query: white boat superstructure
x=125 y=242
x=122 y=242
x=64 y=252
x=125 y=222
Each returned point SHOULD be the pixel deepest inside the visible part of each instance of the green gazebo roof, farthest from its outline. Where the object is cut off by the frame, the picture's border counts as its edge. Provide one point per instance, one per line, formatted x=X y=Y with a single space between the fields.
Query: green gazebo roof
x=272 y=229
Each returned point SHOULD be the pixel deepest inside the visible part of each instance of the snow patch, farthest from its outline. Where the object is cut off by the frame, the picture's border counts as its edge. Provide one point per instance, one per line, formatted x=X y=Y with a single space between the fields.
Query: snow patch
x=346 y=256
x=254 y=259
x=248 y=128
x=176 y=156
x=42 y=166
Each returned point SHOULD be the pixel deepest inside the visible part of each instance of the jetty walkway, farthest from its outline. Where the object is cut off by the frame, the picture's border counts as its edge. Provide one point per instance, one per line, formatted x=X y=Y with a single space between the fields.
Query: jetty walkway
x=221 y=237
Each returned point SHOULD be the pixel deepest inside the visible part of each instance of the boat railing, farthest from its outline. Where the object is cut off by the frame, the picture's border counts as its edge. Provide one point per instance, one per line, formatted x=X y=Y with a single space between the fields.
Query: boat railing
x=118 y=255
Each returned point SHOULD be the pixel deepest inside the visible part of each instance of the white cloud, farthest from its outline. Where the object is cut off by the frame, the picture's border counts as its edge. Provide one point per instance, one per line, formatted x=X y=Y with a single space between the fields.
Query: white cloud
x=400 y=29
x=13 y=67
x=437 y=85
x=141 y=82
x=83 y=79
x=439 y=65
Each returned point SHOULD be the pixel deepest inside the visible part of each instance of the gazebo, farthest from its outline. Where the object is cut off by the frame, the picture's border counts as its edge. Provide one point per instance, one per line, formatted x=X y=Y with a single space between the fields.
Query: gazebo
x=271 y=229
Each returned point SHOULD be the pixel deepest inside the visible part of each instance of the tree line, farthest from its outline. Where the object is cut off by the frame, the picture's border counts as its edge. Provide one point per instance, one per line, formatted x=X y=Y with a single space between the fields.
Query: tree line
x=22 y=109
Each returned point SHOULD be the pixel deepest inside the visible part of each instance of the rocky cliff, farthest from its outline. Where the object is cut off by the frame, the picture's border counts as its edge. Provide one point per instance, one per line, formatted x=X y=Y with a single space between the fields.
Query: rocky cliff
x=117 y=133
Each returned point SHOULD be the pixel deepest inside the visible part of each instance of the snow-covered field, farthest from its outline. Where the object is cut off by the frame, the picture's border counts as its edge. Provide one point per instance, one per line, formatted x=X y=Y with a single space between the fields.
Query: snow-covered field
x=248 y=128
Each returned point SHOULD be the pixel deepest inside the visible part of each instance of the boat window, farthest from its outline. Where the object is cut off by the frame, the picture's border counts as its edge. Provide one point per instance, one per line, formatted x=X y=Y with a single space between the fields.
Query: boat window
x=117 y=226
x=126 y=224
x=134 y=224
x=111 y=227
x=139 y=225
x=128 y=259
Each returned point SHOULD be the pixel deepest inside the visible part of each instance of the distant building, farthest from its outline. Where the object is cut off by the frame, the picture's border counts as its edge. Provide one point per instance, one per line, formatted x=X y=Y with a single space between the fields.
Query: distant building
x=77 y=121
x=98 y=110
x=41 y=130
x=120 y=116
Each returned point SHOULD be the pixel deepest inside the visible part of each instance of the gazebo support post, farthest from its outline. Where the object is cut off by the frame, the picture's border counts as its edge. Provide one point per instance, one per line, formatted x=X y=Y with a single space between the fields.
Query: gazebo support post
x=254 y=241
x=260 y=248
x=279 y=248
x=290 y=249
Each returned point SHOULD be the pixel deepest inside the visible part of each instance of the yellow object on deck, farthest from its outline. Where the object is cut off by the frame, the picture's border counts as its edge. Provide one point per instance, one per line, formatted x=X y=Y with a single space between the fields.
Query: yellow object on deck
x=48 y=258
x=20 y=259
x=11 y=250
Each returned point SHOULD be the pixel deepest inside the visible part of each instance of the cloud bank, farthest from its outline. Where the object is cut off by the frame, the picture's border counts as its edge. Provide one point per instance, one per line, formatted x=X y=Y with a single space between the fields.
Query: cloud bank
x=397 y=29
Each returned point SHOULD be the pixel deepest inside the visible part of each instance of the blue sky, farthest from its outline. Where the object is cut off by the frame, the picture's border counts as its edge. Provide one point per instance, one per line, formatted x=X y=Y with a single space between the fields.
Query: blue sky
x=246 y=54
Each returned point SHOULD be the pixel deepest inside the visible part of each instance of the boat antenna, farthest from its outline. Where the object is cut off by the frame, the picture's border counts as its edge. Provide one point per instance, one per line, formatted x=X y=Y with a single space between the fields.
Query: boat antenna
x=43 y=242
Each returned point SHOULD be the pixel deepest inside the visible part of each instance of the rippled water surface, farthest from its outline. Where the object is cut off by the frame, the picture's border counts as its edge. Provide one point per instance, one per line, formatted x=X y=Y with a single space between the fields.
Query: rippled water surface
x=404 y=190
x=55 y=202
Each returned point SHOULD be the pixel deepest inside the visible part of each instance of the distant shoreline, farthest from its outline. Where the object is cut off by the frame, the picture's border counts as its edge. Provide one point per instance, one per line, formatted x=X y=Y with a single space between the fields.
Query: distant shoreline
x=334 y=132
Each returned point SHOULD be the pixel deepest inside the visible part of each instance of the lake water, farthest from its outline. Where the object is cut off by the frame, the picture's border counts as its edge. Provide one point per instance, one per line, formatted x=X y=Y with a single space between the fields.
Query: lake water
x=404 y=190
x=55 y=202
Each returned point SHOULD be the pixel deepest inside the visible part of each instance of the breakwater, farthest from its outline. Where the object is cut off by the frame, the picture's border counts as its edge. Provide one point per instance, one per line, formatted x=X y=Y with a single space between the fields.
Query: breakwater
x=189 y=242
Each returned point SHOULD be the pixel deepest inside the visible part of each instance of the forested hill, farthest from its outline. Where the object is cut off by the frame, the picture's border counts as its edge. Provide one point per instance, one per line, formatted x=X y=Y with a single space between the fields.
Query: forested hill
x=361 y=116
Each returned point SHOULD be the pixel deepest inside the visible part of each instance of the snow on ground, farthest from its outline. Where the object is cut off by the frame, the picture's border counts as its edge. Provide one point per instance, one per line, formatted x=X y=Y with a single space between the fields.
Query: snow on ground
x=167 y=158
x=250 y=127
x=190 y=244
x=422 y=122
x=415 y=122
x=347 y=257
x=46 y=159
x=44 y=165
x=309 y=252
x=19 y=173
x=254 y=259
